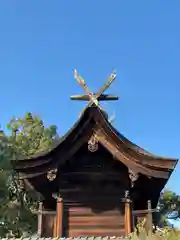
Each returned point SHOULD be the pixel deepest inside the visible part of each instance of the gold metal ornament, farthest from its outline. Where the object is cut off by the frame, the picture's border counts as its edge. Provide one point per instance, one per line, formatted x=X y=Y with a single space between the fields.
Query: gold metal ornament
x=93 y=144
x=51 y=174
x=133 y=177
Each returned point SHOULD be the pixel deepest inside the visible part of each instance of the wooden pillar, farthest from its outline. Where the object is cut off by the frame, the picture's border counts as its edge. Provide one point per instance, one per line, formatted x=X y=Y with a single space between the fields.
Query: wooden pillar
x=128 y=214
x=40 y=215
x=149 y=218
x=59 y=217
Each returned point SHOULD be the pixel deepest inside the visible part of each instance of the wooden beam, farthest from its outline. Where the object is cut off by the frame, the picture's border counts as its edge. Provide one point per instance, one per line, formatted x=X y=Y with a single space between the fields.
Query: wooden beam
x=59 y=218
x=147 y=216
x=146 y=211
x=102 y=97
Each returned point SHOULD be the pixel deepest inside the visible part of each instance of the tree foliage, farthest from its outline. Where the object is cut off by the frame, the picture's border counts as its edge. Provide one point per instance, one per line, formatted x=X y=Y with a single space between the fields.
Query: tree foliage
x=169 y=205
x=27 y=136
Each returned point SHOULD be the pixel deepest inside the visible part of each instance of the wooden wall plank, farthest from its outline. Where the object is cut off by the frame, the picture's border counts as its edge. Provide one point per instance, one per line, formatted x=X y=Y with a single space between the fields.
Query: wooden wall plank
x=96 y=220
x=83 y=222
x=85 y=211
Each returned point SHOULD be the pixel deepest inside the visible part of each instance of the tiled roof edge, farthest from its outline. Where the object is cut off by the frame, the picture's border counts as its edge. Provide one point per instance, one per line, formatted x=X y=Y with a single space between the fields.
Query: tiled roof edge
x=69 y=238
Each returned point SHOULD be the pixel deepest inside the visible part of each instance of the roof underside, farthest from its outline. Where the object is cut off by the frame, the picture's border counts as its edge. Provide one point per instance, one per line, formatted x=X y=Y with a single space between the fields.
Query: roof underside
x=124 y=150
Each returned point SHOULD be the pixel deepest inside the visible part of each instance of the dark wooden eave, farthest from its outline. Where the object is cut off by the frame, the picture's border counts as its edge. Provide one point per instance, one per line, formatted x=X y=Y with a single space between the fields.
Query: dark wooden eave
x=124 y=150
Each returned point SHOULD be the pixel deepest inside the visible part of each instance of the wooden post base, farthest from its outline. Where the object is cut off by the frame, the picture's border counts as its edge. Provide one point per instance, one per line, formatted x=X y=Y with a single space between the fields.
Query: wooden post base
x=128 y=215
x=58 y=219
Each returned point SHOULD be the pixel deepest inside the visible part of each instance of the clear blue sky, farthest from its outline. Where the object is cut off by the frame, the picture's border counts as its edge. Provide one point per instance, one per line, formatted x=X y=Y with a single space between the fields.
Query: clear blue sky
x=43 y=41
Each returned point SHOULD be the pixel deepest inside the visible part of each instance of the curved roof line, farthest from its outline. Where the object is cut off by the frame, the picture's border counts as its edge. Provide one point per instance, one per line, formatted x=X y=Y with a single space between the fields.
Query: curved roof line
x=145 y=158
x=93 y=112
x=140 y=150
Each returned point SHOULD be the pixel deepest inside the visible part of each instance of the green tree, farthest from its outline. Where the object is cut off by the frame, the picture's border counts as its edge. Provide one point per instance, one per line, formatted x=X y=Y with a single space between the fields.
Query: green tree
x=4 y=173
x=169 y=205
x=27 y=136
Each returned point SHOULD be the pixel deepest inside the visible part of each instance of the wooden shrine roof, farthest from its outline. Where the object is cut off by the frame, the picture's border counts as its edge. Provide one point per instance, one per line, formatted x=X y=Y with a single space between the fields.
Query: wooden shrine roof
x=124 y=150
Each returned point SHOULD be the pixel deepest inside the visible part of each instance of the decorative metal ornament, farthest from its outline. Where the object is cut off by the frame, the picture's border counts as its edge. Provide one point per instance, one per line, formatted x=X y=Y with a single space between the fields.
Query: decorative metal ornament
x=127 y=197
x=133 y=176
x=126 y=194
x=93 y=144
x=51 y=174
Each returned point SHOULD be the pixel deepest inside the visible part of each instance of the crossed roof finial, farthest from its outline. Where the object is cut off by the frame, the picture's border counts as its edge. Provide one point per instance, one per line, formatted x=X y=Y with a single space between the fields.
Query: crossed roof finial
x=94 y=98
